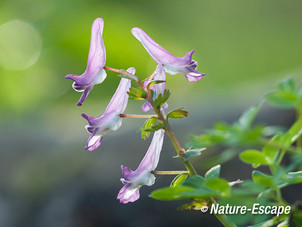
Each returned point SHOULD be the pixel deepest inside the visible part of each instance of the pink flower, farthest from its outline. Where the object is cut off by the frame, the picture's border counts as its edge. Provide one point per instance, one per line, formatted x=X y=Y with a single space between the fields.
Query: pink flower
x=159 y=74
x=94 y=73
x=171 y=63
x=133 y=180
x=111 y=119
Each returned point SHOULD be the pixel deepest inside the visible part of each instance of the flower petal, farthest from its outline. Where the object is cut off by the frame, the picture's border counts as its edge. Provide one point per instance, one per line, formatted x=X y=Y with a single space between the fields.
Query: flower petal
x=126 y=171
x=133 y=180
x=97 y=52
x=151 y=158
x=84 y=95
x=119 y=101
x=160 y=74
x=165 y=106
x=94 y=73
x=128 y=194
x=194 y=78
x=172 y=64
x=110 y=120
x=158 y=53
x=93 y=142
x=146 y=107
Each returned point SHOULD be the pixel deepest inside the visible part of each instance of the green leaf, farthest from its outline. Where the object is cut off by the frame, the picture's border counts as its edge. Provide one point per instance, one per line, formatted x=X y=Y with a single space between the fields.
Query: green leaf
x=286 y=95
x=147 y=125
x=282 y=99
x=249 y=115
x=194 y=182
x=205 y=188
x=156 y=126
x=137 y=93
x=253 y=157
x=161 y=99
x=299 y=92
x=294 y=177
x=179 y=113
x=270 y=151
x=262 y=179
x=212 y=173
x=296 y=215
x=177 y=181
x=153 y=82
x=269 y=131
x=197 y=204
x=204 y=192
x=192 y=153
x=218 y=184
x=293 y=133
x=170 y=193
x=287 y=85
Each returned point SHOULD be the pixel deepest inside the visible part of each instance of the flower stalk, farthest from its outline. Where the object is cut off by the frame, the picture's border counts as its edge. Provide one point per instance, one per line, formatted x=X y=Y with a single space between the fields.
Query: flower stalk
x=222 y=217
x=136 y=116
x=176 y=172
x=179 y=149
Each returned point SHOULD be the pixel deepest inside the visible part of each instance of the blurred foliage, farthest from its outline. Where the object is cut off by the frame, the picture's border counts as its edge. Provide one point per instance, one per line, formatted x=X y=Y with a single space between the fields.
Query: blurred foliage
x=264 y=186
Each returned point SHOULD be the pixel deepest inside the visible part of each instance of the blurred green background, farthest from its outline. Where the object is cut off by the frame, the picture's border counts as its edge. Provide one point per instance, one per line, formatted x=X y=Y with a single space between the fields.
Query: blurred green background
x=244 y=47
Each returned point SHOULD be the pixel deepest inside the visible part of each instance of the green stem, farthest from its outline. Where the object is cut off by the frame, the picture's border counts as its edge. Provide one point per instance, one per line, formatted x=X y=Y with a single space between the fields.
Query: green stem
x=137 y=116
x=281 y=157
x=222 y=217
x=179 y=149
x=224 y=220
x=125 y=73
x=299 y=113
x=169 y=172
x=291 y=149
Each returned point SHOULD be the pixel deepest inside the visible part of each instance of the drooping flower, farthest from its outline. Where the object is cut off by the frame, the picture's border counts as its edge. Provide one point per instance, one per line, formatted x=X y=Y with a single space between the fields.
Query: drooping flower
x=111 y=119
x=171 y=63
x=133 y=180
x=94 y=73
x=159 y=74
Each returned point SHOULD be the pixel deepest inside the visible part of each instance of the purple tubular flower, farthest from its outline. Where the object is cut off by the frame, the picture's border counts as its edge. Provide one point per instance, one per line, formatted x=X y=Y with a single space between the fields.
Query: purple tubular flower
x=171 y=63
x=159 y=74
x=94 y=73
x=133 y=180
x=111 y=119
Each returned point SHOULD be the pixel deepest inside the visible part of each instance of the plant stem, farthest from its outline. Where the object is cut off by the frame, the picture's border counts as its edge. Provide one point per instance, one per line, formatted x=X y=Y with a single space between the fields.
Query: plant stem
x=125 y=73
x=280 y=157
x=179 y=149
x=222 y=217
x=299 y=113
x=137 y=115
x=169 y=172
x=224 y=220
x=291 y=149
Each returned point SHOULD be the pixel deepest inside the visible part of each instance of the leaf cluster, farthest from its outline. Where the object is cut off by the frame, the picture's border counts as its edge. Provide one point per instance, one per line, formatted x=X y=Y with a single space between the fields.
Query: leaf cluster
x=287 y=95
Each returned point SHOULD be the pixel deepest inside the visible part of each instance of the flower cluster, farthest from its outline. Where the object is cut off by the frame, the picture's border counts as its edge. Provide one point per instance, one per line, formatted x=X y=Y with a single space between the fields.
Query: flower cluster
x=112 y=118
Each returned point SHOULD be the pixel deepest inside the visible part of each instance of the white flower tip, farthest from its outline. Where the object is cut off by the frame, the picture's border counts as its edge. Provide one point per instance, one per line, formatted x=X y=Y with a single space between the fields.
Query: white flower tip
x=98 y=24
x=99 y=21
x=131 y=70
x=137 y=32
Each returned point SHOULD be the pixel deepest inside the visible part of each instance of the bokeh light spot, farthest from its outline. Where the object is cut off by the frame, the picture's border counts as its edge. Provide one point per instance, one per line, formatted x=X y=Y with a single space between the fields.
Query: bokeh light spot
x=20 y=45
